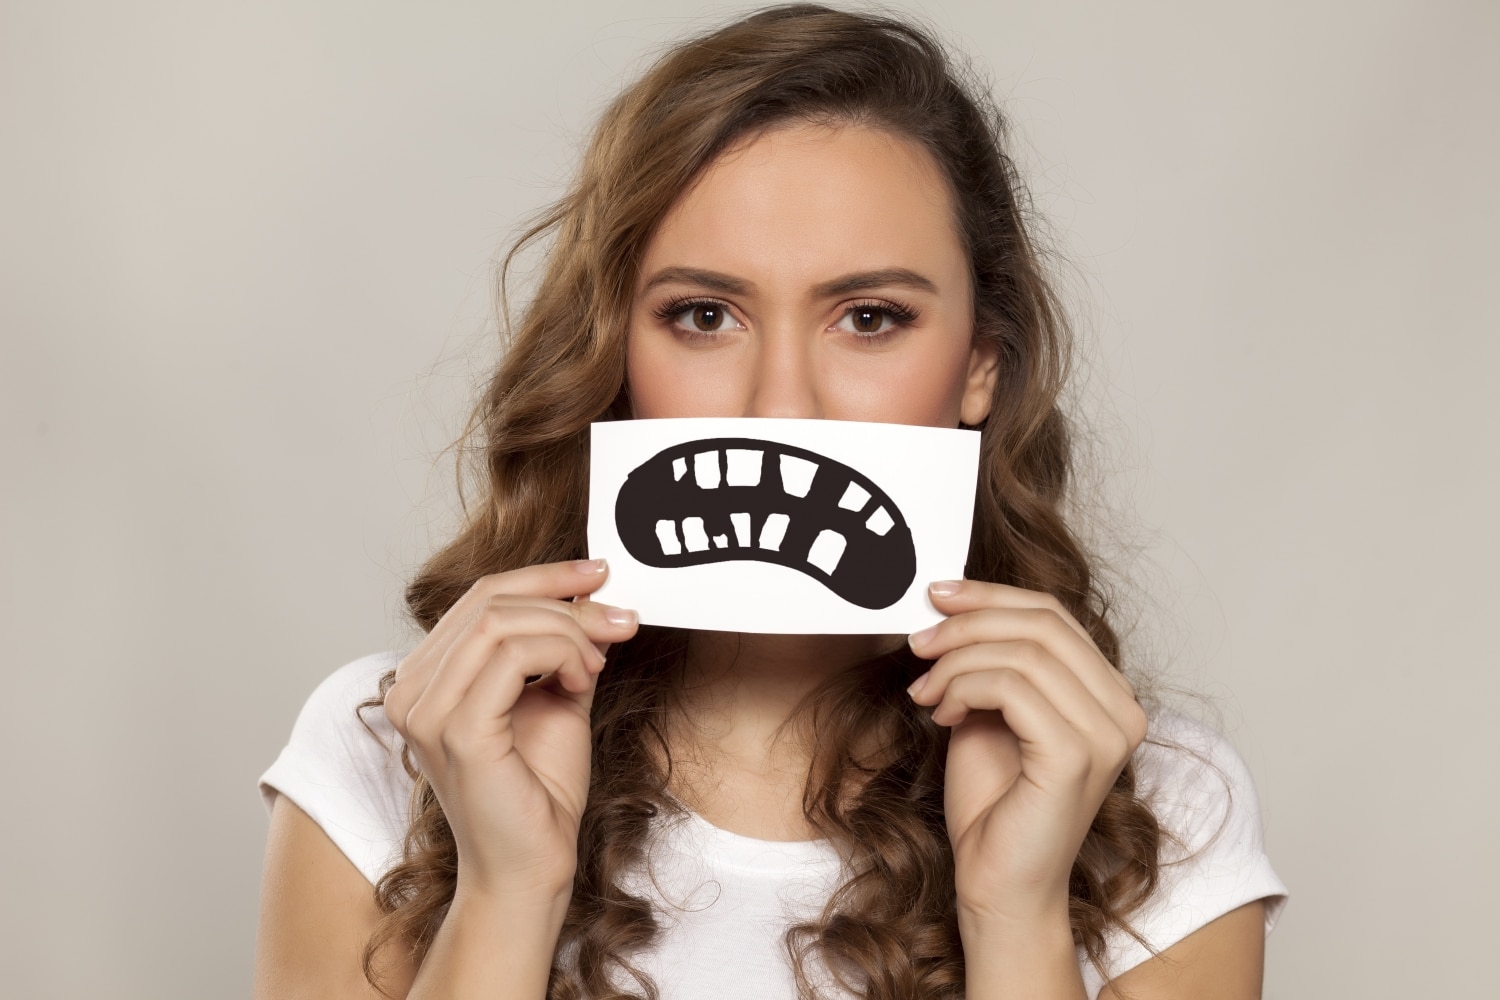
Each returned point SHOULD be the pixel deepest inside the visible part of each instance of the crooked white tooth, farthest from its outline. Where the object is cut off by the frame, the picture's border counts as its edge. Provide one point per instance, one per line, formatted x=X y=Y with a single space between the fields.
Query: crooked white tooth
x=706 y=469
x=693 y=535
x=880 y=522
x=826 y=550
x=679 y=468
x=773 y=531
x=797 y=475
x=743 y=467
x=666 y=533
x=854 y=497
x=741 y=523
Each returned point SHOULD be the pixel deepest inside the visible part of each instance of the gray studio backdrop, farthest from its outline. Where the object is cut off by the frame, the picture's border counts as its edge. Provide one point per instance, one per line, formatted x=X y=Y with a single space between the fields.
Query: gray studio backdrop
x=247 y=292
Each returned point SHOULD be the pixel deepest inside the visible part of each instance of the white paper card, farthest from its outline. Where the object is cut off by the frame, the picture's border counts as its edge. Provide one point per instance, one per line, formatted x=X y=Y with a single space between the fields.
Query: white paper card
x=761 y=524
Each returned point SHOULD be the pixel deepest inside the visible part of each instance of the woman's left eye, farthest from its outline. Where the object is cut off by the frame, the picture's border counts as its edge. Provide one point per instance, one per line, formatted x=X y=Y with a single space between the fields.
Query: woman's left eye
x=871 y=320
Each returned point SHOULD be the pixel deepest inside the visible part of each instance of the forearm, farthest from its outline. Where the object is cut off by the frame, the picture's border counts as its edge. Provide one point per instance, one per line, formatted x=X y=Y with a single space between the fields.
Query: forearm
x=1032 y=959
x=492 y=948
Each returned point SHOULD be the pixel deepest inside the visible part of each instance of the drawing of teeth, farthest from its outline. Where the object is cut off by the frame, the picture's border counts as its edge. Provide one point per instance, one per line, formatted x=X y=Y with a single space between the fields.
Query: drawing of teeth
x=721 y=499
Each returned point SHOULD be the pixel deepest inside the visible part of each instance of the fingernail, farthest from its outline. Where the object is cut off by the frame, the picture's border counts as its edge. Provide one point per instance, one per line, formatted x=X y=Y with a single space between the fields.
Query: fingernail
x=589 y=566
x=944 y=588
x=918 y=684
x=921 y=638
x=620 y=617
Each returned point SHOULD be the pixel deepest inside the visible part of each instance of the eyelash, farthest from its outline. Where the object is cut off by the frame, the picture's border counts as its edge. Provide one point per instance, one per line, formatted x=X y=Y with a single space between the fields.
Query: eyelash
x=903 y=316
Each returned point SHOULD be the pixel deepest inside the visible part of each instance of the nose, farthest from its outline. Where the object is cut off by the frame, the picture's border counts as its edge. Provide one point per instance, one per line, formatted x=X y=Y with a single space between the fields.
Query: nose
x=784 y=374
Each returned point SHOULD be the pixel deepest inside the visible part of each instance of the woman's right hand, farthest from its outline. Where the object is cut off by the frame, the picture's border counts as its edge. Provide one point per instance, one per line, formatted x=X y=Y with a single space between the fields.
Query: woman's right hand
x=509 y=761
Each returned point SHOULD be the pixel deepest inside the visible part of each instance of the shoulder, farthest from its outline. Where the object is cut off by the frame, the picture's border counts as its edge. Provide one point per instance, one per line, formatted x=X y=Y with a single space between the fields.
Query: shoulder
x=1212 y=858
x=1197 y=784
x=342 y=766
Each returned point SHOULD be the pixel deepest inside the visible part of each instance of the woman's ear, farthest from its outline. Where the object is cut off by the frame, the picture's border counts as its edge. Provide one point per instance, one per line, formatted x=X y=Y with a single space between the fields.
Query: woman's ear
x=979 y=388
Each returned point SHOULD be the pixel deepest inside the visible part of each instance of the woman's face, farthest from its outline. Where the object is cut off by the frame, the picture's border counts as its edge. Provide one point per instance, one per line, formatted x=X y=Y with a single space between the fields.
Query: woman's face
x=810 y=272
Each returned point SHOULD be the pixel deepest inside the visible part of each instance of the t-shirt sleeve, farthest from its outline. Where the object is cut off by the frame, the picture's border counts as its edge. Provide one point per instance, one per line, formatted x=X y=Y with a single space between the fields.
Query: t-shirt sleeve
x=1202 y=792
x=349 y=781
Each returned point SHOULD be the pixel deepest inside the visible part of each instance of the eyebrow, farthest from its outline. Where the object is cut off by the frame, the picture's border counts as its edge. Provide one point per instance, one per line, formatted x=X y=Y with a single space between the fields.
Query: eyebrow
x=725 y=284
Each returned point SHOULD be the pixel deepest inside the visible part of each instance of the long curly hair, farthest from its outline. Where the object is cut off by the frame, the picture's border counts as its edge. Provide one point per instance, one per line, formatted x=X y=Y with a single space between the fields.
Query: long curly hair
x=890 y=931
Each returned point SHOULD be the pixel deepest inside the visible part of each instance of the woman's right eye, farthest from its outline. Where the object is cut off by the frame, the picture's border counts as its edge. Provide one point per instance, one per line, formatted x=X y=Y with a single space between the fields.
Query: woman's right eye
x=699 y=317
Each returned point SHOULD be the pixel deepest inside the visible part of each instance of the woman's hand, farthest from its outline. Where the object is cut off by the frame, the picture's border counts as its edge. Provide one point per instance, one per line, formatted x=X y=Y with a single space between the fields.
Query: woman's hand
x=508 y=760
x=1042 y=727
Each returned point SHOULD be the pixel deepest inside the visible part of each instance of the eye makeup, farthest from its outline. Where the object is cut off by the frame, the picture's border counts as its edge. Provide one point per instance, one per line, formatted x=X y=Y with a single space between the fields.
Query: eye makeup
x=901 y=317
x=675 y=308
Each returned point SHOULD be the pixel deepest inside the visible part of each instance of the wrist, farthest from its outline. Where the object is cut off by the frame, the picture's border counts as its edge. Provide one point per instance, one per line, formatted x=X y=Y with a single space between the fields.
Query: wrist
x=1037 y=904
x=1008 y=954
x=533 y=886
x=487 y=939
x=1046 y=920
x=528 y=911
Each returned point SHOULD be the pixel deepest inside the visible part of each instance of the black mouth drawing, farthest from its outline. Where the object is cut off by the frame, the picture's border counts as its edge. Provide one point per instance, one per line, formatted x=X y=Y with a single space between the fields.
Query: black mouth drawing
x=720 y=499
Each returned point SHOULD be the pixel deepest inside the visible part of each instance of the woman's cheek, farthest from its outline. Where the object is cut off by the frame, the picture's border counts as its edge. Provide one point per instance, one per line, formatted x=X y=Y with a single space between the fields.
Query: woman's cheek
x=909 y=388
x=668 y=382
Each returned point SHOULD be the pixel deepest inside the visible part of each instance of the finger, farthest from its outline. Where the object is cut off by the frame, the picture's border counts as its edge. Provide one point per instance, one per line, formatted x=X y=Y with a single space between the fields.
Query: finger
x=600 y=625
x=500 y=623
x=1056 y=681
x=590 y=625
x=1045 y=622
x=596 y=625
x=990 y=756
x=1043 y=732
x=559 y=581
x=1044 y=735
x=509 y=617
x=956 y=596
x=604 y=624
x=486 y=707
x=1080 y=686
x=426 y=708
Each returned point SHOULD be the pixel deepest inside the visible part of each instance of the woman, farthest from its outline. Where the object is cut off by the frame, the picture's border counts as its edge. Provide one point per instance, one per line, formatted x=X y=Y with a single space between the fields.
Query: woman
x=803 y=214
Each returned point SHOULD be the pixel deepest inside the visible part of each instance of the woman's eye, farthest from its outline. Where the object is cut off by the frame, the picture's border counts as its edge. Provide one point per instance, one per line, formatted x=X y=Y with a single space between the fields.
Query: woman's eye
x=704 y=317
x=866 y=321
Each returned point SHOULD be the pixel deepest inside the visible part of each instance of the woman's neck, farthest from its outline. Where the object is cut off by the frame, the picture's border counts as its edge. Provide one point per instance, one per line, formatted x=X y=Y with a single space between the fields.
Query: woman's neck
x=741 y=689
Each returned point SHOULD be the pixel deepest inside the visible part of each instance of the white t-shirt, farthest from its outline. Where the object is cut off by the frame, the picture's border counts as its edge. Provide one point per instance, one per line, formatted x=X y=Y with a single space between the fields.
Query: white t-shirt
x=724 y=901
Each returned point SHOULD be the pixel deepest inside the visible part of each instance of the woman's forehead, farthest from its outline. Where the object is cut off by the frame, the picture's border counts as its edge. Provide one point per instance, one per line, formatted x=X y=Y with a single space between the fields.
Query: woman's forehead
x=810 y=198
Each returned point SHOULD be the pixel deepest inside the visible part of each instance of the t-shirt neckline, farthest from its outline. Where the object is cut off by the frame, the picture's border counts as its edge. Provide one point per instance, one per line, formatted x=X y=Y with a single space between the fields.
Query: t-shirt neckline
x=754 y=854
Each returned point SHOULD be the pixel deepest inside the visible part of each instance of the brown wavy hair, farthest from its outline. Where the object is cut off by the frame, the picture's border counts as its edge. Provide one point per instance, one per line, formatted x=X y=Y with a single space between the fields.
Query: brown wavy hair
x=889 y=932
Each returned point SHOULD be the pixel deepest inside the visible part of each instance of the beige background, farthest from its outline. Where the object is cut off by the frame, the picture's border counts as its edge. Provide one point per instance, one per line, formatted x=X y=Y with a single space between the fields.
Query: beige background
x=246 y=272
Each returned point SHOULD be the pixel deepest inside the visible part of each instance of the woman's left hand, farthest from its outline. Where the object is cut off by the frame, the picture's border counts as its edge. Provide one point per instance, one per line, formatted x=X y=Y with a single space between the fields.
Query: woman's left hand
x=1042 y=727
